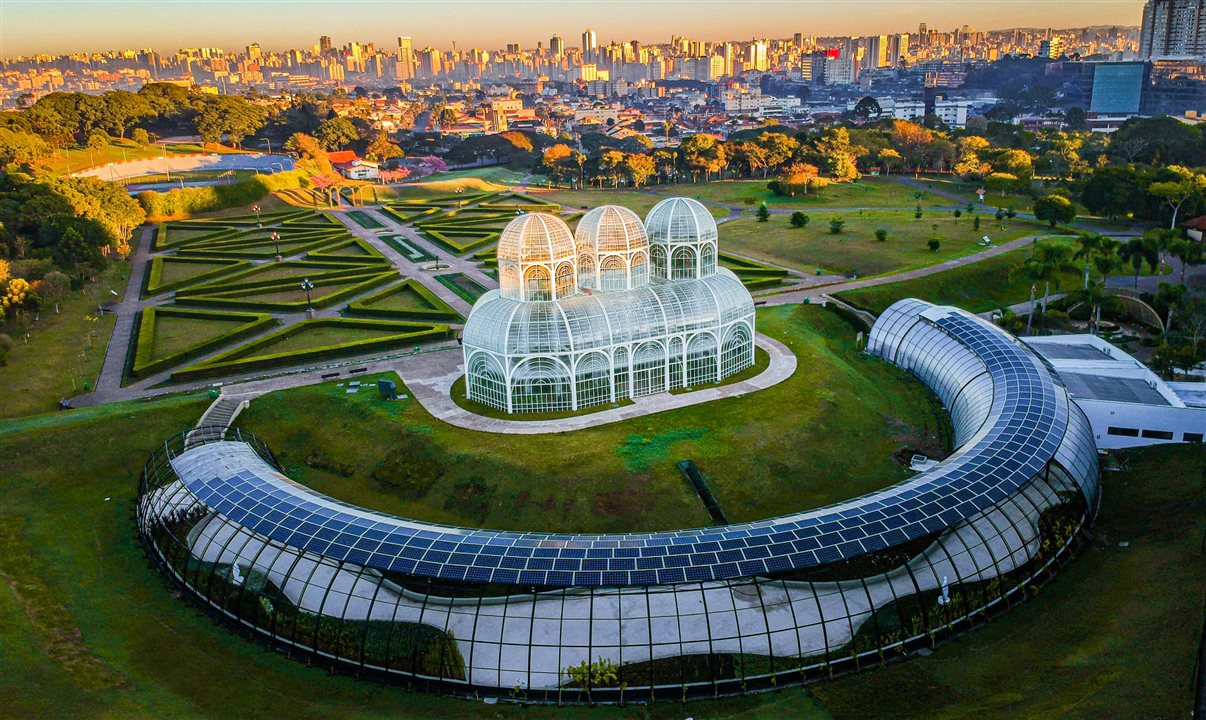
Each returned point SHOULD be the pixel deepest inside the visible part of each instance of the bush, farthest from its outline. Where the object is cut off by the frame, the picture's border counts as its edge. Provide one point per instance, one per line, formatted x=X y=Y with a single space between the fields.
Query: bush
x=881 y=235
x=934 y=244
x=958 y=213
x=917 y=213
x=836 y=226
x=799 y=219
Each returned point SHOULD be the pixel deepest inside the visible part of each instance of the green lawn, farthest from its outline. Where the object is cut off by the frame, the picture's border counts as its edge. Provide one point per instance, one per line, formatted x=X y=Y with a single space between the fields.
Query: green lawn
x=856 y=251
x=639 y=202
x=867 y=193
x=325 y=335
x=64 y=351
x=623 y=476
x=174 y=334
x=464 y=286
x=978 y=287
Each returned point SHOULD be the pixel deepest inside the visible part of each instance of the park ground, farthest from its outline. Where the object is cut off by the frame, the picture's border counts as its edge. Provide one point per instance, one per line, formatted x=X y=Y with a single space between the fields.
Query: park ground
x=88 y=629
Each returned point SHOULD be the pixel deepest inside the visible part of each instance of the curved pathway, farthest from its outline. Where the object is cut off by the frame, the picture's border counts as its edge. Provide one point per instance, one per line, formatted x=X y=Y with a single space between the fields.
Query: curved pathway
x=430 y=377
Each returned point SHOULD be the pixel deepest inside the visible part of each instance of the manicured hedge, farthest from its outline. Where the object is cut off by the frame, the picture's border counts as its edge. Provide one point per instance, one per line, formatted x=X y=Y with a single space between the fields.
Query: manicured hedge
x=371 y=254
x=224 y=300
x=238 y=360
x=145 y=366
x=461 y=242
x=438 y=312
x=409 y=214
x=153 y=284
x=319 y=272
x=184 y=201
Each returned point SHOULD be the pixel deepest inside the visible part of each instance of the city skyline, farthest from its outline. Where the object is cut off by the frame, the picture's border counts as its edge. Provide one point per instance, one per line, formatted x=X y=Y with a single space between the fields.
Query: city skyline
x=166 y=26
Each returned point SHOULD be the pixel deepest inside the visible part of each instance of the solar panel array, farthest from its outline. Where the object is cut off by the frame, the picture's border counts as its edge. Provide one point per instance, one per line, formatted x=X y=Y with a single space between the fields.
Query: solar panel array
x=1023 y=429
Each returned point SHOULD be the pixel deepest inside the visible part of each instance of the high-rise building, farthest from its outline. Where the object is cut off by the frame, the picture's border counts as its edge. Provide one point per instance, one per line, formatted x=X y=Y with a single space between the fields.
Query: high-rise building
x=405 y=67
x=1052 y=48
x=324 y=44
x=1118 y=87
x=755 y=56
x=1173 y=29
x=877 y=52
x=556 y=46
x=590 y=41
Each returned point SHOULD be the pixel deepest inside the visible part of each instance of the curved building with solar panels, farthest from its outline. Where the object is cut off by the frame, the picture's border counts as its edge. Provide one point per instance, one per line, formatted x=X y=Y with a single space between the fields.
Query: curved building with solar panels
x=581 y=319
x=685 y=613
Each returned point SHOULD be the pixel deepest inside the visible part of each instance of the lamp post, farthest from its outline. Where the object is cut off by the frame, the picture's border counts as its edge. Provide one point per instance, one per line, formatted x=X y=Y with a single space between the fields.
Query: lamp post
x=276 y=243
x=308 y=286
x=256 y=209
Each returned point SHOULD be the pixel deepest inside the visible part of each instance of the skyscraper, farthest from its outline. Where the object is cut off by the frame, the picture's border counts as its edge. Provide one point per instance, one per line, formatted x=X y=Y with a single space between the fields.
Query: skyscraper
x=324 y=44
x=405 y=68
x=1173 y=29
x=589 y=42
x=556 y=46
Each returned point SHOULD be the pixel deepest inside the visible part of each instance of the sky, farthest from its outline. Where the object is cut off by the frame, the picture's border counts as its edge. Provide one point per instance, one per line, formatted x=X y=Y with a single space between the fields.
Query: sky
x=58 y=26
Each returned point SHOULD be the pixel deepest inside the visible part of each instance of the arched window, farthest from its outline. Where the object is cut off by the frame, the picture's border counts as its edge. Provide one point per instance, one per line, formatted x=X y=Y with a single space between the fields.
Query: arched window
x=565 y=280
x=684 y=265
x=640 y=269
x=612 y=274
x=486 y=383
x=593 y=376
x=738 y=351
x=541 y=385
x=586 y=272
x=620 y=362
x=660 y=267
x=707 y=260
x=536 y=284
x=676 y=363
x=648 y=370
x=701 y=360
x=509 y=281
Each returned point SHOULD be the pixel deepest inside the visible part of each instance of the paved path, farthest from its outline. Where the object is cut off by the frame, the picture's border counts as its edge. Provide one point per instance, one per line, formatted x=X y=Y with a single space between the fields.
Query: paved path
x=430 y=377
x=127 y=310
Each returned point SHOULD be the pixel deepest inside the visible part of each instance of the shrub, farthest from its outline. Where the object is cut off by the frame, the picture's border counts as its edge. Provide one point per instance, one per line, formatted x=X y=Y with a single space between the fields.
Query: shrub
x=881 y=235
x=836 y=226
x=933 y=244
x=799 y=219
x=917 y=213
x=976 y=223
x=763 y=213
x=958 y=213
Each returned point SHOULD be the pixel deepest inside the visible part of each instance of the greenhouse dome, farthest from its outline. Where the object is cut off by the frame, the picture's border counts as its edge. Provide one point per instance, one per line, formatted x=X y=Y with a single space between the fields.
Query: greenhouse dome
x=616 y=332
x=682 y=238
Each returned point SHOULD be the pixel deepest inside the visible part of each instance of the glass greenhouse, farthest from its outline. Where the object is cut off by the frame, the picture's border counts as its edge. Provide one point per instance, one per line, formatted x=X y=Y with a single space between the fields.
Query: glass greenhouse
x=609 y=313
x=703 y=612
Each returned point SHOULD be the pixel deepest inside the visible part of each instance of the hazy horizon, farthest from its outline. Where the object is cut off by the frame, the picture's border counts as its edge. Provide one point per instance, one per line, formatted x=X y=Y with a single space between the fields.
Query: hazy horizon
x=66 y=26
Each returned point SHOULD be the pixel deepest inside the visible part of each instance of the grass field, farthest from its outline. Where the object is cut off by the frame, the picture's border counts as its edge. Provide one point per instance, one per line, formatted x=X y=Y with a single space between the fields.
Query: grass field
x=856 y=251
x=64 y=351
x=622 y=476
x=868 y=193
x=175 y=334
x=978 y=287
x=88 y=630
x=639 y=202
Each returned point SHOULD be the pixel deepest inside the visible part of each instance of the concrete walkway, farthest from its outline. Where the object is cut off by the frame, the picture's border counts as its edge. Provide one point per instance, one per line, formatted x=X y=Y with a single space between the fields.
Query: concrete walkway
x=430 y=377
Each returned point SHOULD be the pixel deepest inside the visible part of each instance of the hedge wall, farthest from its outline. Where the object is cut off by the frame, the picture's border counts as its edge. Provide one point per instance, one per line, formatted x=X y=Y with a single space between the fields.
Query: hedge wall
x=145 y=366
x=221 y=301
x=439 y=311
x=237 y=360
x=153 y=285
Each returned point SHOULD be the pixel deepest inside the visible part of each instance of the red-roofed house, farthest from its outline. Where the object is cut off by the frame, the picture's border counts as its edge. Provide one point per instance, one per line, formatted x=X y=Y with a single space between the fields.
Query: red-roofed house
x=349 y=165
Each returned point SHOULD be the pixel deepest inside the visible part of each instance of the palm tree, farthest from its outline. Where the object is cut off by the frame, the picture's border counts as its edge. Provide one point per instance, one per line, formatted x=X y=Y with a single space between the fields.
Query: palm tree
x=1138 y=251
x=1047 y=264
x=1097 y=297
x=1089 y=246
x=1188 y=252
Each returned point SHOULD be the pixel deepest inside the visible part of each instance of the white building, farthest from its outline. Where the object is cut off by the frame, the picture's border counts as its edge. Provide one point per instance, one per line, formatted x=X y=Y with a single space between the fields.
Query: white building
x=1128 y=405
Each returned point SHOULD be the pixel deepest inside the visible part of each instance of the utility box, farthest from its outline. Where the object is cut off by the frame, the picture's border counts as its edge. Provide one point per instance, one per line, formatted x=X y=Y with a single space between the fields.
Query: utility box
x=387 y=389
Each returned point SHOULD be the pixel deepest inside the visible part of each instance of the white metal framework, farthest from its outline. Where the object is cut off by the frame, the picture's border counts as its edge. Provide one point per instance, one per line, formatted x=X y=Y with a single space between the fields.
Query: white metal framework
x=628 y=331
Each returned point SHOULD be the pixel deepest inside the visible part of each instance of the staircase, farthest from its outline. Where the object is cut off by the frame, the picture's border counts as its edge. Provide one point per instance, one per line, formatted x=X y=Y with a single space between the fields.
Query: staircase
x=217 y=418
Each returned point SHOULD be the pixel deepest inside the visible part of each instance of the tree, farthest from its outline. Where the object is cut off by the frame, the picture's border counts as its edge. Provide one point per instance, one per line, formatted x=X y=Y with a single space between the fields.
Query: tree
x=1018 y=163
x=54 y=287
x=934 y=244
x=121 y=109
x=836 y=226
x=881 y=235
x=778 y=149
x=312 y=159
x=834 y=146
x=799 y=219
x=98 y=140
x=230 y=116
x=1048 y=263
x=1138 y=251
x=1091 y=247
x=763 y=213
x=336 y=133
x=554 y=160
x=639 y=167
x=867 y=108
x=74 y=254
x=1111 y=191
x=889 y=158
x=1188 y=252
x=383 y=149
x=21 y=148
x=1176 y=193
x=799 y=178
x=1003 y=182
x=1098 y=298
x=911 y=141
x=1054 y=209
x=702 y=153
x=140 y=137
